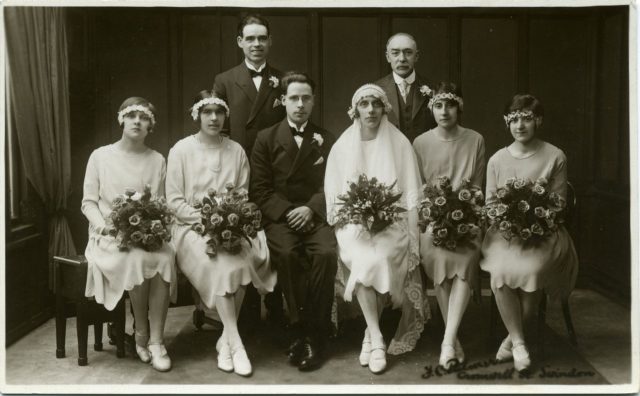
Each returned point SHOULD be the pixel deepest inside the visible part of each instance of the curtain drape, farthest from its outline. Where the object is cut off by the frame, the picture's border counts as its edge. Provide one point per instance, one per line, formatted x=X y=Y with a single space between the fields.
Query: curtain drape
x=39 y=92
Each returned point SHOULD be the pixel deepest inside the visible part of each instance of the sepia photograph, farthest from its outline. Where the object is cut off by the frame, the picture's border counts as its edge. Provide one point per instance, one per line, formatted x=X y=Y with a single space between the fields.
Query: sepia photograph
x=333 y=197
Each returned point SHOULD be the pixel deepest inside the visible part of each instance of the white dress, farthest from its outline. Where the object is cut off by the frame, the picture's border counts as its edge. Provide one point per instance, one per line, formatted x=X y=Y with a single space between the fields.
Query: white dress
x=458 y=159
x=192 y=169
x=388 y=261
x=110 y=171
x=553 y=264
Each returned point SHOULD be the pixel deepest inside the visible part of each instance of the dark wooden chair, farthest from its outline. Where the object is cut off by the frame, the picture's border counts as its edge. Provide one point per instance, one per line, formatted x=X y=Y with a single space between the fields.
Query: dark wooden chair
x=572 y=202
x=70 y=274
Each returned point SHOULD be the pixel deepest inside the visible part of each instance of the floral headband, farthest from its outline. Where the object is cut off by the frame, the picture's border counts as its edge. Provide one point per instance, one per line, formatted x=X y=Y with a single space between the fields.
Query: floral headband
x=368 y=90
x=527 y=114
x=445 y=95
x=133 y=108
x=208 y=101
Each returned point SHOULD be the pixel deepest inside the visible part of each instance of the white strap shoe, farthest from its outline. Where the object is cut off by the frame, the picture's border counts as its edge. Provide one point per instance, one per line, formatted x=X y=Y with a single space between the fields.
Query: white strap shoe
x=521 y=358
x=225 y=363
x=241 y=363
x=378 y=359
x=504 y=353
x=459 y=352
x=365 y=352
x=160 y=360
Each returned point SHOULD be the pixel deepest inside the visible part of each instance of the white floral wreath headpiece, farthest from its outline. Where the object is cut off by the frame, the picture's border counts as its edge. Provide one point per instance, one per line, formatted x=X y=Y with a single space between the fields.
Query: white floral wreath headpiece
x=368 y=90
x=136 y=107
x=519 y=114
x=208 y=101
x=446 y=95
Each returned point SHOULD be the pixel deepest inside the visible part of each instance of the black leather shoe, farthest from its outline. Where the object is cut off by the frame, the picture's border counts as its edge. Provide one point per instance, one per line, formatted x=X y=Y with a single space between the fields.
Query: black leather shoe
x=311 y=357
x=295 y=351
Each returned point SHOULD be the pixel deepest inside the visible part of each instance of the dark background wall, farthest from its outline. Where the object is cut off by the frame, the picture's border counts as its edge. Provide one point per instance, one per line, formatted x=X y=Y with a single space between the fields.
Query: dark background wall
x=574 y=59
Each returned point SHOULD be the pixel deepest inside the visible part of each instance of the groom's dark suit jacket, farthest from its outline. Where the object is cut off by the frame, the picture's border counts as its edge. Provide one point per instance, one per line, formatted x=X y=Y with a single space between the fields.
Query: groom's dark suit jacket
x=284 y=176
x=250 y=110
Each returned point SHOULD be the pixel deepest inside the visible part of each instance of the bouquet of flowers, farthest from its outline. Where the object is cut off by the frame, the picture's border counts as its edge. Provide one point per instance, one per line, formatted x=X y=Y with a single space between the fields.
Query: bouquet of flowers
x=369 y=203
x=227 y=218
x=140 y=220
x=525 y=210
x=452 y=217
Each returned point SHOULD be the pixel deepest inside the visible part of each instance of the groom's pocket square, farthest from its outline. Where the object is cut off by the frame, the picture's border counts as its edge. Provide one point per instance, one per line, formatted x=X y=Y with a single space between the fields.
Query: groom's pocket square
x=319 y=161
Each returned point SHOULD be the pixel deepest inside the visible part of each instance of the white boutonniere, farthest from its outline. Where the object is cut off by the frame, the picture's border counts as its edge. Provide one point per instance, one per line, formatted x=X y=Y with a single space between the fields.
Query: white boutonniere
x=276 y=103
x=318 y=138
x=273 y=81
x=425 y=90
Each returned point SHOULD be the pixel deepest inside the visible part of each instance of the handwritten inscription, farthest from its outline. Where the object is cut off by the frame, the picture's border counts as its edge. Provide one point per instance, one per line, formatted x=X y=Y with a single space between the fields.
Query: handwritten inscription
x=463 y=372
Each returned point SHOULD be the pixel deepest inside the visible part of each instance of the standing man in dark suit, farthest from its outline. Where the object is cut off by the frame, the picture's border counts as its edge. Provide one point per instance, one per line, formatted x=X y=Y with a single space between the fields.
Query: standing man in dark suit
x=407 y=91
x=252 y=92
x=287 y=182
x=251 y=89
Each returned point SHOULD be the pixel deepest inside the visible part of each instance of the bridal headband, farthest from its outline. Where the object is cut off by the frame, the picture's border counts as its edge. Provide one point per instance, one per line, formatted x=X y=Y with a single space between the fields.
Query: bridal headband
x=526 y=114
x=363 y=92
x=446 y=95
x=208 y=101
x=133 y=108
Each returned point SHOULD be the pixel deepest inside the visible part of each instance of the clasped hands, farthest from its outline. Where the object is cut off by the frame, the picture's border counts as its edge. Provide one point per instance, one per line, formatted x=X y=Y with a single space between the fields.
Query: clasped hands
x=300 y=219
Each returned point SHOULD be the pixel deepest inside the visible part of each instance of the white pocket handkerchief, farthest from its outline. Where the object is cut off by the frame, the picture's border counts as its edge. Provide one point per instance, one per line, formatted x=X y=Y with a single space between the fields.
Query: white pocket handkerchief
x=319 y=161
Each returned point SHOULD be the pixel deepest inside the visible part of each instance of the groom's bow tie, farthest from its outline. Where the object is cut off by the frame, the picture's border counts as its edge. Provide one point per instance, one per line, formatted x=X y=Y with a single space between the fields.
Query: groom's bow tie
x=296 y=132
x=254 y=73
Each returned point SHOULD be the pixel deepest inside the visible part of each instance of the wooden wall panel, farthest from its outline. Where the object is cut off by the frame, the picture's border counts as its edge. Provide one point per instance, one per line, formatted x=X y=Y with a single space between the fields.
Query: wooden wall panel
x=489 y=76
x=432 y=35
x=558 y=77
x=136 y=63
x=350 y=57
x=200 y=55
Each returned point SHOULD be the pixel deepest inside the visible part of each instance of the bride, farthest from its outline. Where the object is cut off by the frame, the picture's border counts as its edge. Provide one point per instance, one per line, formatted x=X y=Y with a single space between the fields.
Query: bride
x=384 y=268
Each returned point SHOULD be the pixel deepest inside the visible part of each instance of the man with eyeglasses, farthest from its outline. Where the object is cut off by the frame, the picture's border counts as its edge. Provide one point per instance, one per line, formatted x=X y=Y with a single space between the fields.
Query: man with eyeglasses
x=407 y=92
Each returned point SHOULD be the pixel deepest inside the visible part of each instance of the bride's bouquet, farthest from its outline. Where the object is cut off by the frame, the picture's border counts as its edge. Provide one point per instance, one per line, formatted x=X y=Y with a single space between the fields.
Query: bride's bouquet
x=526 y=210
x=140 y=220
x=226 y=219
x=453 y=217
x=369 y=203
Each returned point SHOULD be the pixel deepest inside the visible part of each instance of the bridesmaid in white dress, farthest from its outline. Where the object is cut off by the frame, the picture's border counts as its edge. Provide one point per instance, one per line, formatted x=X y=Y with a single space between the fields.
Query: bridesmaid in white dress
x=456 y=152
x=149 y=277
x=383 y=268
x=518 y=272
x=199 y=162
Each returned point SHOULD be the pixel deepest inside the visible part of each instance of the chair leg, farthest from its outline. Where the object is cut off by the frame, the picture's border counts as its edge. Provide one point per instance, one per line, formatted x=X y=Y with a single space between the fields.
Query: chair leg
x=568 y=322
x=82 y=327
x=542 y=320
x=119 y=327
x=97 y=335
x=61 y=325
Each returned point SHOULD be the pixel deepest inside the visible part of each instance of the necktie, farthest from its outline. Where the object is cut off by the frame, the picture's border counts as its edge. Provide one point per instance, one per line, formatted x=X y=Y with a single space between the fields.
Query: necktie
x=295 y=132
x=254 y=73
x=404 y=88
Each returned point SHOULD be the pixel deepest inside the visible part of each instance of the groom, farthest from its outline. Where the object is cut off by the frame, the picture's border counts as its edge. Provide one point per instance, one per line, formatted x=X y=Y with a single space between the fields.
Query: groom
x=287 y=177
x=407 y=92
x=252 y=92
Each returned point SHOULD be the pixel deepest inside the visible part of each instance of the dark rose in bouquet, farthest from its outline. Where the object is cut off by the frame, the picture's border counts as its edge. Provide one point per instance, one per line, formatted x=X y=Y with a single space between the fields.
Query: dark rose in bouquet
x=369 y=203
x=526 y=210
x=140 y=220
x=227 y=218
x=453 y=217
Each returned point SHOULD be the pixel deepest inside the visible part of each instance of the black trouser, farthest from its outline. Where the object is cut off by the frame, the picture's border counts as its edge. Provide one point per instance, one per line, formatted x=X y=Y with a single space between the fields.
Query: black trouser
x=306 y=265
